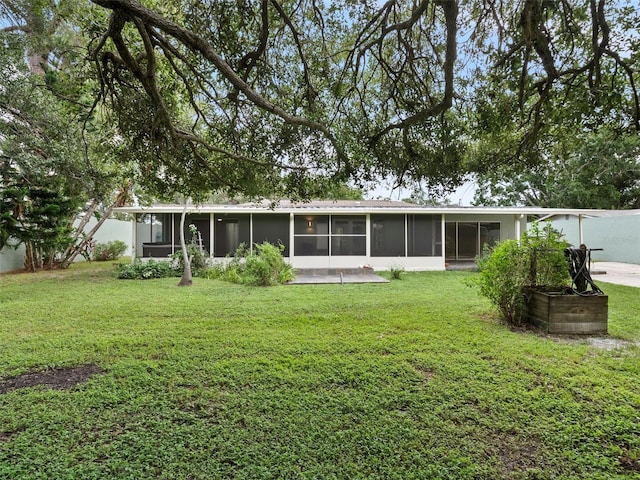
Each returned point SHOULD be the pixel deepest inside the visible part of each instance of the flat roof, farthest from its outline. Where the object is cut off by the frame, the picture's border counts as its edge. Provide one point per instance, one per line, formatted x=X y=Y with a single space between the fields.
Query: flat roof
x=355 y=207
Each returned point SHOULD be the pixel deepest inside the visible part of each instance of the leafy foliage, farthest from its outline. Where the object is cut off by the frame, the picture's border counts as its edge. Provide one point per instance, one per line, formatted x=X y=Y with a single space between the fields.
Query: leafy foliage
x=396 y=271
x=146 y=270
x=275 y=97
x=56 y=159
x=196 y=255
x=109 y=251
x=264 y=267
x=35 y=209
x=503 y=274
x=592 y=170
x=511 y=267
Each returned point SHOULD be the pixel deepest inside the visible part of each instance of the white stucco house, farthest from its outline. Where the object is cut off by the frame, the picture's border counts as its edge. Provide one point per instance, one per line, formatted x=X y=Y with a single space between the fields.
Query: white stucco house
x=339 y=234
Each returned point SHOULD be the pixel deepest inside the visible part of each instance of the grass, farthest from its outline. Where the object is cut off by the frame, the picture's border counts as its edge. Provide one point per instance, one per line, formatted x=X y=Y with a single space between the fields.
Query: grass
x=412 y=379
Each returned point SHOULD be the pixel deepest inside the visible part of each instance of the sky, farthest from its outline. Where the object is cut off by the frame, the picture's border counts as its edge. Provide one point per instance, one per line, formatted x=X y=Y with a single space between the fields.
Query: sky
x=462 y=196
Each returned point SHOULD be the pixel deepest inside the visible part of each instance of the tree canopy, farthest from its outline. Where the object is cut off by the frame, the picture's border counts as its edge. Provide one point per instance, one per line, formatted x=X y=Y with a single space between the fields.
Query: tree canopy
x=594 y=170
x=284 y=97
x=56 y=161
x=359 y=89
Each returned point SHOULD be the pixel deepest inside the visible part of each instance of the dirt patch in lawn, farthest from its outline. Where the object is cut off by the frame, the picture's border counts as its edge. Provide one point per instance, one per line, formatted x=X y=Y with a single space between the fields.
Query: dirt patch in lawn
x=629 y=464
x=517 y=454
x=57 y=378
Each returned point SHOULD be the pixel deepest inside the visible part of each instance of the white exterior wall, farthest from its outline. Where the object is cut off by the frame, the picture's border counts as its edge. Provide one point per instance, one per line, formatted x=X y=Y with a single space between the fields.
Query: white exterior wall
x=11 y=259
x=618 y=236
x=112 y=230
x=377 y=263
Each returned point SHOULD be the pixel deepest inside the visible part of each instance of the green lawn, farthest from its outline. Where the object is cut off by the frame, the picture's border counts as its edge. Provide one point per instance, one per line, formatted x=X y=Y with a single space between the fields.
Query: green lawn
x=412 y=379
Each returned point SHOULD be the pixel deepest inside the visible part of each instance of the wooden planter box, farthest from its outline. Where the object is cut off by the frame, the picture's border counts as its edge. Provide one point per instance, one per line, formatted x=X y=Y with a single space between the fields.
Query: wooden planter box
x=568 y=314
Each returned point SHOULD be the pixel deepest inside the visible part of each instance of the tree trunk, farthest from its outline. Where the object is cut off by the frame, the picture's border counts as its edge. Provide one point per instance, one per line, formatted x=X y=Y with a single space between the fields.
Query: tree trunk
x=71 y=253
x=33 y=260
x=64 y=261
x=29 y=264
x=88 y=238
x=187 y=278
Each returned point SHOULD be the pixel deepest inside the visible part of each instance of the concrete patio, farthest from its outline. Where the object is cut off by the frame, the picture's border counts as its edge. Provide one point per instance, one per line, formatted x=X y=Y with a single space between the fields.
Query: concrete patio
x=310 y=276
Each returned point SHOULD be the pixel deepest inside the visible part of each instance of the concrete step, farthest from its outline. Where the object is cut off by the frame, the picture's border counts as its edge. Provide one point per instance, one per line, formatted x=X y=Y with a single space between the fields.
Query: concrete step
x=334 y=271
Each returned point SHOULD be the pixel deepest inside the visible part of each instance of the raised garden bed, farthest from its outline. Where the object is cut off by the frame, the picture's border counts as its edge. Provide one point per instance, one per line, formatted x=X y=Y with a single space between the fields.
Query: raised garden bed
x=567 y=313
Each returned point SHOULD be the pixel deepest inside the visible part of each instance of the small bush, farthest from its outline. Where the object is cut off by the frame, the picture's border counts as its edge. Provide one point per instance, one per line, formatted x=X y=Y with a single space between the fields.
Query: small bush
x=264 y=267
x=503 y=273
x=212 y=273
x=197 y=256
x=146 y=270
x=267 y=266
x=511 y=267
x=396 y=271
x=109 y=251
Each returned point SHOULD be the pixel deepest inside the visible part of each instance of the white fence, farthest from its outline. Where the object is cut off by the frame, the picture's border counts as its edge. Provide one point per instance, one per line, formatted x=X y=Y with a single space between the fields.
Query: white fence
x=11 y=259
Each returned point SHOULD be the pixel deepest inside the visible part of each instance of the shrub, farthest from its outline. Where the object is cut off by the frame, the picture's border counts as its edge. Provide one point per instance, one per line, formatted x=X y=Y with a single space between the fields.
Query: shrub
x=109 y=251
x=547 y=263
x=197 y=256
x=140 y=270
x=511 y=267
x=265 y=266
x=503 y=273
x=212 y=273
x=396 y=271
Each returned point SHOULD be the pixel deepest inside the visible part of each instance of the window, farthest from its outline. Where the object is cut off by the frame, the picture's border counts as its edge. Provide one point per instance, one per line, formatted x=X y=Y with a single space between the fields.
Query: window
x=387 y=235
x=311 y=225
x=466 y=240
x=202 y=222
x=348 y=225
x=451 y=240
x=317 y=235
x=348 y=245
x=424 y=235
x=489 y=234
x=272 y=228
x=229 y=232
x=153 y=235
x=311 y=235
x=348 y=235
x=154 y=228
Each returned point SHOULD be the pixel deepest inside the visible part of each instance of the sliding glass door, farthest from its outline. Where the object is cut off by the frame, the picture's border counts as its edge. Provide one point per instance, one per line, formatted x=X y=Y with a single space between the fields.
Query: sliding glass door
x=466 y=240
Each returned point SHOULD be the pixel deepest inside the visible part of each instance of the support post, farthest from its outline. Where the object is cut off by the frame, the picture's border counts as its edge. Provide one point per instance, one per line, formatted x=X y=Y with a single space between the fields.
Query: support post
x=134 y=237
x=580 y=231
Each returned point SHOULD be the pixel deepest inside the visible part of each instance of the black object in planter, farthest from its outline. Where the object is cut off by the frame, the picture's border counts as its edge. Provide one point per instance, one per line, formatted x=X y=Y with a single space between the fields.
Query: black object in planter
x=579 y=260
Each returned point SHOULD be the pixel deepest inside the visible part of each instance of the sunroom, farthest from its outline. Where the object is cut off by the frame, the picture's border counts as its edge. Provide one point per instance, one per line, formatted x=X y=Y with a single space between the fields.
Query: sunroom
x=335 y=234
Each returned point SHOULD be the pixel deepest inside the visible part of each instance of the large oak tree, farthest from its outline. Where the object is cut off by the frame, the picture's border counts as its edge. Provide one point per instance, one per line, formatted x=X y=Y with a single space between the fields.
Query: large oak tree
x=280 y=97
x=263 y=96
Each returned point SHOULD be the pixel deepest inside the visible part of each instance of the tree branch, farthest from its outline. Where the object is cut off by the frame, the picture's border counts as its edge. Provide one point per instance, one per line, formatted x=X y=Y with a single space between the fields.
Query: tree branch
x=194 y=42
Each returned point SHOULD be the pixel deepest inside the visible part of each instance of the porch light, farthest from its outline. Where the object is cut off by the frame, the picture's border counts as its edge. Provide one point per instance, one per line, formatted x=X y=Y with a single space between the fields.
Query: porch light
x=309 y=223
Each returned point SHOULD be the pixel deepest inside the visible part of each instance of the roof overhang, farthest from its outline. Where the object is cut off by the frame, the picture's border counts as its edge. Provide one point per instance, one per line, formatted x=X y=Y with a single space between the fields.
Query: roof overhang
x=361 y=207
